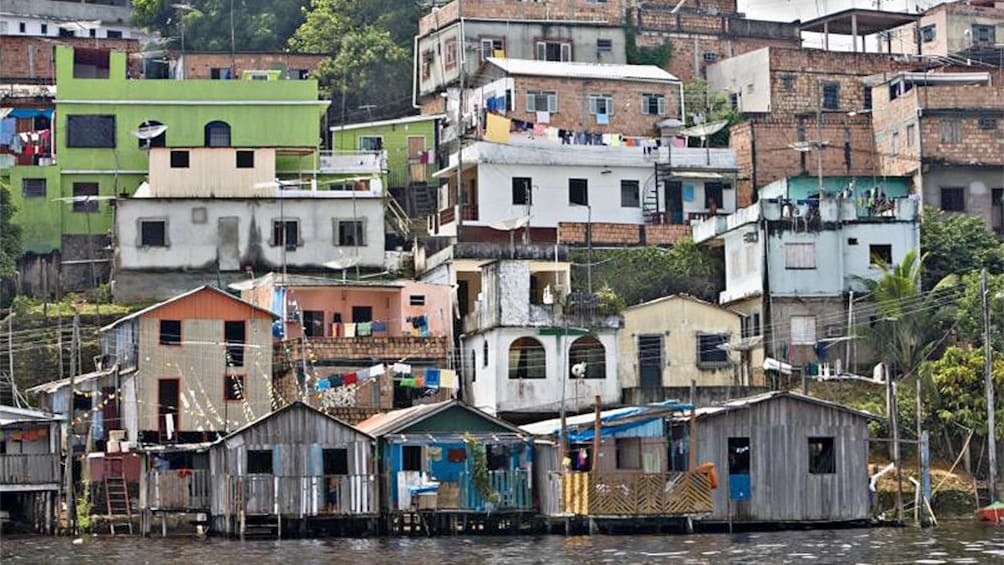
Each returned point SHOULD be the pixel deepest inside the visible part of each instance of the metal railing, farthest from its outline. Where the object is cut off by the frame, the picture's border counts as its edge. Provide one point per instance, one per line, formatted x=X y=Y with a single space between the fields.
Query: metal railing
x=303 y=495
x=29 y=469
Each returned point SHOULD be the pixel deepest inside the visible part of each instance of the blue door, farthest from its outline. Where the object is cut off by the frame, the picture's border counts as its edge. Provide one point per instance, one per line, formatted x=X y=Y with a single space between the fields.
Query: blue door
x=739 y=468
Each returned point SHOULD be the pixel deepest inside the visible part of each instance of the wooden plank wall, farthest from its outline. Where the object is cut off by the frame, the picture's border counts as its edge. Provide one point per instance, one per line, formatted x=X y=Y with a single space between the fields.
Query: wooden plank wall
x=782 y=488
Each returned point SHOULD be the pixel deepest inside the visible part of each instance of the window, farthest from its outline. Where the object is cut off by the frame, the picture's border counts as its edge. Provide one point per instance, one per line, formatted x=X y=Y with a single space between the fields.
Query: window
x=951 y=130
x=831 y=95
x=710 y=56
x=245 y=159
x=604 y=45
x=911 y=133
x=554 y=51
x=983 y=34
x=522 y=191
x=200 y=215
x=81 y=193
x=220 y=73
x=803 y=330
x=416 y=300
x=787 y=81
x=629 y=194
x=153 y=233
x=233 y=387
x=739 y=455
x=259 y=462
x=90 y=131
x=170 y=332
x=527 y=359
x=286 y=232
x=450 y=53
x=880 y=255
x=866 y=96
x=588 y=350
x=113 y=34
x=456 y=454
x=653 y=104
x=756 y=323
x=427 y=57
x=21 y=27
x=986 y=122
x=217 y=134
x=362 y=314
x=156 y=141
x=313 y=323
x=411 y=458
x=799 y=255
x=953 y=199
x=336 y=461
x=484 y=353
x=578 y=192
x=895 y=142
x=542 y=102
x=822 y=458
x=33 y=188
x=350 y=233
x=709 y=353
x=928 y=33
x=45 y=29
x=179 y=159
x=628 y=452
x=235 y=334
x=370 y=143
x=489 y=47
x=713 y=197
x=601 y=104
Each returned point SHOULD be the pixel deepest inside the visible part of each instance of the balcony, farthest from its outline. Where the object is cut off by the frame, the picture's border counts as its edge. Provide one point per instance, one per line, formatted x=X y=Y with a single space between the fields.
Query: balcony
x=539 y=316
x=364 y=349
x=29 y=470
x=354 y=162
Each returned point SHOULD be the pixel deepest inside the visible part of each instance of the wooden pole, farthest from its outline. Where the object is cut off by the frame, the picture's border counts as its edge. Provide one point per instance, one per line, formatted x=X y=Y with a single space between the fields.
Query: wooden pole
x=71 y=505
x=988 y=383
x=596 y=436
x=692 y=444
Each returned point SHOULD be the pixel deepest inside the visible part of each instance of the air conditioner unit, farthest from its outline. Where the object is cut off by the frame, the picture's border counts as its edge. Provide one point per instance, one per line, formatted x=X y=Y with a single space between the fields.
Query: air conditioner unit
x=834 y=331
x=751 y=237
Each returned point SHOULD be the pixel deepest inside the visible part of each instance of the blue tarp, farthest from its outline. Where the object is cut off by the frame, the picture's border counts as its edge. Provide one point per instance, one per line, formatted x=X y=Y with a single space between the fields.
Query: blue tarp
x=30 y=113
x=609 y=426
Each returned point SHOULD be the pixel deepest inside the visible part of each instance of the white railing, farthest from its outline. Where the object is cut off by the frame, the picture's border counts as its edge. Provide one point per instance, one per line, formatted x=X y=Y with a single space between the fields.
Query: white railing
x=353 y=162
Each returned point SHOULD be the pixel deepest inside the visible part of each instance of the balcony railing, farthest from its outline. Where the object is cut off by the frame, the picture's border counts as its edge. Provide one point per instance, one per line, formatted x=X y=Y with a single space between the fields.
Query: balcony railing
x=29 y=469
x=177 y=490
x=354 y=162
x=635 y=494
x=303 y=495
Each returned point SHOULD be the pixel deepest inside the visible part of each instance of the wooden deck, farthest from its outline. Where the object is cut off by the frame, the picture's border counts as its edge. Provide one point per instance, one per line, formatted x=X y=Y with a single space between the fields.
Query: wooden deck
x=635 y=494
x=29 y=470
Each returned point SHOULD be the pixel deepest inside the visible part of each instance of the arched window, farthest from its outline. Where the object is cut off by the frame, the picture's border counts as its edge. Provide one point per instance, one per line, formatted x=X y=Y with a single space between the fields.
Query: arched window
x=527 y=359
x=217 y=134
x=157 y=141
x=587 y=349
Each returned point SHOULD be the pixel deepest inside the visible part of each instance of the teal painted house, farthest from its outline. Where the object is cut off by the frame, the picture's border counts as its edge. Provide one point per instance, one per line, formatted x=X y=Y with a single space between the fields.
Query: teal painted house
x=66 y=208
x=801 y=188
x=410 y=145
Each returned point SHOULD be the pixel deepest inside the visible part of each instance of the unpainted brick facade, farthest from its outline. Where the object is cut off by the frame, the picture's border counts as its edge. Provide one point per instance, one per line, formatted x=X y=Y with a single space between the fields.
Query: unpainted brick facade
x=607 y=234
x=611 y=11
x=30 y=59
x=201 y=65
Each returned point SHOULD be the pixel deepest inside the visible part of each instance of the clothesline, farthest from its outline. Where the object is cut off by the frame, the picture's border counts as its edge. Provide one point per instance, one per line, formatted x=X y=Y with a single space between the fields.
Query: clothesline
x=403 y=373
x=499 y=128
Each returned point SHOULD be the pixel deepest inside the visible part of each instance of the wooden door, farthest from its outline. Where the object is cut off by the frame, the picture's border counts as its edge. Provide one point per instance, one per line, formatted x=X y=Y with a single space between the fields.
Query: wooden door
x=168 y=400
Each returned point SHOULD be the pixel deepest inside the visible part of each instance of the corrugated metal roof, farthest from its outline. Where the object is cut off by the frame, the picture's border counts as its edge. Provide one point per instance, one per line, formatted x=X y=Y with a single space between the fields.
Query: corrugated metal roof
x=182 y=296
x=289 y=406
x=398 y=420
x=529 y=67
x=274 y=279
x=748 y=401
x=10 y=415
x=681 y=296
x=52 y=386
x=611 y=417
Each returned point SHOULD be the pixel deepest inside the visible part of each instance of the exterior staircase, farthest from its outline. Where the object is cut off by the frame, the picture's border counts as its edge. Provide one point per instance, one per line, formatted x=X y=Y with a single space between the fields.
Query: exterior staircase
x=117 y=505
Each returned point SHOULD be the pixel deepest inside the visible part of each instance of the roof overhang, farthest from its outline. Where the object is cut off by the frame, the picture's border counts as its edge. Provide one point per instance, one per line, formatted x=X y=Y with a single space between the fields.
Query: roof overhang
x=858 y=22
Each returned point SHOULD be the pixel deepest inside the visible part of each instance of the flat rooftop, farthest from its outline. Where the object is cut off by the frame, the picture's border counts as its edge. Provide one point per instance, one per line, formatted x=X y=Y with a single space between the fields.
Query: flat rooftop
x=867 y=22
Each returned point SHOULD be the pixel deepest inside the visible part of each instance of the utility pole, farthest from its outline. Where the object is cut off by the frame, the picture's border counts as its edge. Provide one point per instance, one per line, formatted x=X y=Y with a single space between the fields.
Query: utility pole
x=893 y=421
x=10 y=358
x=71 y=505
x=460 y=122
x=819 y=136
x=988 y=382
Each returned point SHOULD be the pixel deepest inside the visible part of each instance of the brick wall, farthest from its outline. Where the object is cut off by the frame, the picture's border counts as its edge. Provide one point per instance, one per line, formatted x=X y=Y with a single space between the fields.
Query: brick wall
x=367 y=348
x=30 y=59
x=610 y=12
x=573 y=103
x=764 y=156
x=200 y=65
x=608 y=234
x=895 y=117
x=688 y=61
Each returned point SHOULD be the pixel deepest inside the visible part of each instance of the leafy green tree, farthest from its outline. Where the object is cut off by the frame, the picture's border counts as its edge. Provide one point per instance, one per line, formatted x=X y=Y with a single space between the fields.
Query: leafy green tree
x=955 y=244
x=658 y=55
x=369 y=48
x=969 y=319
x=10 y=236
x=259 y=25
x=636 y=275
x=959 y=381
x=909 y=325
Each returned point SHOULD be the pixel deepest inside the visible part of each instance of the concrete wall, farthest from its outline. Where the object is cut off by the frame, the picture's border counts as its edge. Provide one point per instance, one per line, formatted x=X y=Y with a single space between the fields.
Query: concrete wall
x=978 y=184
x=195 y=244
x=492 y=390
x=681 y=320
x=747 y=76
x=212 y=172
x=743 y=264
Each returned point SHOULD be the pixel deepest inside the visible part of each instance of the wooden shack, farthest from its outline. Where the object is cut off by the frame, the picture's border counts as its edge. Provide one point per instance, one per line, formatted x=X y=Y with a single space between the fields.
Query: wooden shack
x=29 y=467
x=294 y=470
x=632 y=480
x=448 y=467
x=783 y=457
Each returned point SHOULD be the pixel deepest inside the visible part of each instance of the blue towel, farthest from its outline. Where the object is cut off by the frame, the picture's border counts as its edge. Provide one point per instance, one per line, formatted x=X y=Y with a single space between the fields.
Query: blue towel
x=379 y=326
x=323 y=384
x=432 y=378
x=8 y=129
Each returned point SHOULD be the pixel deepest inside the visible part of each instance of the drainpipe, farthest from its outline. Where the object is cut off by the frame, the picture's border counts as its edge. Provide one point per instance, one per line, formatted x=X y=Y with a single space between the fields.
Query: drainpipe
x=414 y=75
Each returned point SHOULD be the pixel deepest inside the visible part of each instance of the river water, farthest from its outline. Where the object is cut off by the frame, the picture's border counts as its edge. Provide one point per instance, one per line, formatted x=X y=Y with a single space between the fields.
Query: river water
x=952 y=542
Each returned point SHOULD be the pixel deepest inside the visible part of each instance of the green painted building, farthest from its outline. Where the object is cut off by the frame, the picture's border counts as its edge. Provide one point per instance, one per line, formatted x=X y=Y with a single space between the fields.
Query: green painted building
x=410 y=144
x=97 y=152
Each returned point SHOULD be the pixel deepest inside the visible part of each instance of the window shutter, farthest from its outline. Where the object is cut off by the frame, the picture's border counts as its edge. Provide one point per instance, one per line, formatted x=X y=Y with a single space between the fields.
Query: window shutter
x=566 y=51
x=662 y=105
x=531 y=105
x=609 y=103
x=552 y=103
x=541 y=51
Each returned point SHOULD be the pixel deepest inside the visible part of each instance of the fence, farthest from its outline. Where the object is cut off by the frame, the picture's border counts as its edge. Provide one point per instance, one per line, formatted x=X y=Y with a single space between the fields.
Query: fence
x=178 y=490
x=512 y=489
x=636 y=494
x=303 y=495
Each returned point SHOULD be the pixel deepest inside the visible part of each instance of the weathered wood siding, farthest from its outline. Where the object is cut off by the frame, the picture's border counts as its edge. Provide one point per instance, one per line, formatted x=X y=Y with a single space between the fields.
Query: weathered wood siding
x=782 y=488
x=296 y=436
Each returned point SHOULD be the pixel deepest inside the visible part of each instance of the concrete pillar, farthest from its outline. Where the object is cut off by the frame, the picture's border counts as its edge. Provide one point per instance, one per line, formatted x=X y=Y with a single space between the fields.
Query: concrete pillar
x=826 y=35
x=854 y=31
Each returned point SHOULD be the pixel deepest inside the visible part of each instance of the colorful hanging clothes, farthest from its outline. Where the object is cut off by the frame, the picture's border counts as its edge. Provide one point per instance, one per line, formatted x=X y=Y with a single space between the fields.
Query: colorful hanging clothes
x=432 y=378
x=364 y=329
x=351 y=379
x=448 y=379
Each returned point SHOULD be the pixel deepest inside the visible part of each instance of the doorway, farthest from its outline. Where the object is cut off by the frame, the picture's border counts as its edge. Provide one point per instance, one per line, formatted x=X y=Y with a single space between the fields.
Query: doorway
x=650 y=361
x=168 y=395
x=674 y=201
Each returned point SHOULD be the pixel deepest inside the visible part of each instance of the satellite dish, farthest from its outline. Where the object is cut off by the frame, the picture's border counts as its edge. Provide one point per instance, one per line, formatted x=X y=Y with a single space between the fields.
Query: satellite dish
x=82 y=25
x=149 y=131
x=342 y=263
x=579 y=370
x=704 y=130
x=510 y=223
x=89 y=198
